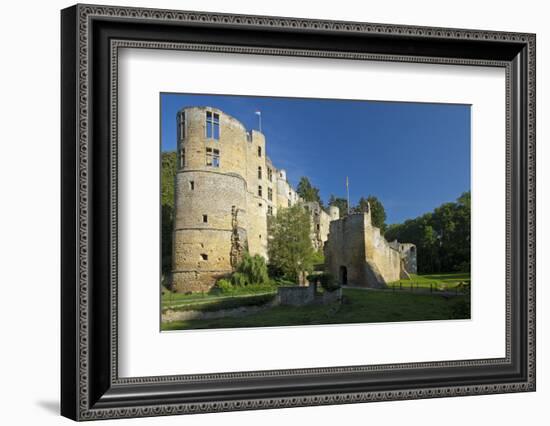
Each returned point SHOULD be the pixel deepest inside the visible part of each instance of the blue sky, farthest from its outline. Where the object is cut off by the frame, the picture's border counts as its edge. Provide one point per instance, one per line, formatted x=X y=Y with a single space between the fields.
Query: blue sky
x=412 y=156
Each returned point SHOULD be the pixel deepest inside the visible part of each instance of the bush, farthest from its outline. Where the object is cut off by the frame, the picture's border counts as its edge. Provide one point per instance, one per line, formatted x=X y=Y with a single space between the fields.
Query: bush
x=224 y=285
x=328 y=282
x=238 y=279
x=251 y=270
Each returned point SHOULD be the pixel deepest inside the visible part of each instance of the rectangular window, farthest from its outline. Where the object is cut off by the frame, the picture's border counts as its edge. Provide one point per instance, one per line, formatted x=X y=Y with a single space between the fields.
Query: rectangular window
x=205 y=218
x=270 y=174
x=212 y=125
x=192 y=185
x=259 y=172
x=318 y=227
x=270 y=210
x=259 y=151
x=259 y=191
x=212 y=157
x=269 y=194
x=182 y=125
x=182 y=158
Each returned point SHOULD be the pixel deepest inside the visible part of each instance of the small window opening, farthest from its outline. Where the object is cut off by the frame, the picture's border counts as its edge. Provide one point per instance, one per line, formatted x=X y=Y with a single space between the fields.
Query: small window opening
x=212 y=157
x=204 y=256
x=182 y=157
x=212 y=125
x=259 y=191
x=259 y=151
x=205 y=218
x=192 y=185
x=182 y=125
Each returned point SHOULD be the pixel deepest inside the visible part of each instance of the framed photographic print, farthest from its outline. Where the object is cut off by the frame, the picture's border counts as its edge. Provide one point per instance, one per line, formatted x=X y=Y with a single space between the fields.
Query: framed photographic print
x=263 y=212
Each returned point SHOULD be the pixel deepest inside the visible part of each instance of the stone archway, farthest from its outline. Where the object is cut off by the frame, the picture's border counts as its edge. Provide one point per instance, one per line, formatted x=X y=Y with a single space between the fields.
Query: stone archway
x=343 y=275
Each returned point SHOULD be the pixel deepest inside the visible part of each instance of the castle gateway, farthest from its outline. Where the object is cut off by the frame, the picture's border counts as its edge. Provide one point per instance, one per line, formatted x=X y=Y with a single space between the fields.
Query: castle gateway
x=226 y=187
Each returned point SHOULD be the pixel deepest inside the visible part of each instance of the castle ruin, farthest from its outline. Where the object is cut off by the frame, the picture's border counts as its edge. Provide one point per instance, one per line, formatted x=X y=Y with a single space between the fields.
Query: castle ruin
x=225 y=189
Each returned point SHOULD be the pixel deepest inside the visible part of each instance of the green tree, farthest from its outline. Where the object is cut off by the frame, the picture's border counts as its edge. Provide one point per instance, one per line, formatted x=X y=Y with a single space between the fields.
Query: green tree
x=167 y=181
x=289 y=246
x=378 y=213
x=341 y=203
x=308 y=192
x=442 y=237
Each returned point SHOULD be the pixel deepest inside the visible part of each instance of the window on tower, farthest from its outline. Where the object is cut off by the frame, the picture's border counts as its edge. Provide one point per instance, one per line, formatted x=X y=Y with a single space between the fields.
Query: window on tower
x=212 y=125
x=182 y=125
x=212 y=157
x=182 y=158
x=259 y=151
x=270 y=194
x=259 y=191
x=259 y=172
x=270 y=174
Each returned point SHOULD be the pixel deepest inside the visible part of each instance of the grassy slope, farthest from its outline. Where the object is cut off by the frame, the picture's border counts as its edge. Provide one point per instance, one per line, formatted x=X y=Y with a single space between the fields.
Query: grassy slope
x=362 y=307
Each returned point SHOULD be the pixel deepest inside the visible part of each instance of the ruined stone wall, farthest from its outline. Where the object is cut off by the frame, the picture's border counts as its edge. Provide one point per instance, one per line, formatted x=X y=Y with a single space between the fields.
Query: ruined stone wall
x=357 y=255
x=258 y=190
x=408 y=254
x=383 y=262
x=345 y=250
x=320 y=222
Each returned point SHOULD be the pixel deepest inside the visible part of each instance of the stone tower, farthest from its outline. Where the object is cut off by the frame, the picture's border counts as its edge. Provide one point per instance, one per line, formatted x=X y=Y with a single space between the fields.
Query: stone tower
x=210 y=205
x=225 y=188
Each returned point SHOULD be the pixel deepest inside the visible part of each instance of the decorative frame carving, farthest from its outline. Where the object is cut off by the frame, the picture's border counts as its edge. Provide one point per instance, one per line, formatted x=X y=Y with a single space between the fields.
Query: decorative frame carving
x=91 y=388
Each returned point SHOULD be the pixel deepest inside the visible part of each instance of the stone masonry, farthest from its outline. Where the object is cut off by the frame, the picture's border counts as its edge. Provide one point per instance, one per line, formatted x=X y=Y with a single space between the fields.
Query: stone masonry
x=356 y=254
x=225 y=189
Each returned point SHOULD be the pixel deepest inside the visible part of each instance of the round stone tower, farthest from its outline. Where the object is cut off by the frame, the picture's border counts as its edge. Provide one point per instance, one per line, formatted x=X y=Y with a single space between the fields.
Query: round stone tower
x=210 y=206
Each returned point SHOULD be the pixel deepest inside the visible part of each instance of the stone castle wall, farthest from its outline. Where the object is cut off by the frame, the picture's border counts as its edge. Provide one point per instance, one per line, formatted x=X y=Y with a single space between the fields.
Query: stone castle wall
x=225 y=188
x=320 y=224
x=356 y=254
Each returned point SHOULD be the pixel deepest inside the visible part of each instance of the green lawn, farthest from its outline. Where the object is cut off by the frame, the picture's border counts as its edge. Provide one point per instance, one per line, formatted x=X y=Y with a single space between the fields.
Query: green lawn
x=360 y=306
x=216 y=303
x=441 y=282
x=178 y=300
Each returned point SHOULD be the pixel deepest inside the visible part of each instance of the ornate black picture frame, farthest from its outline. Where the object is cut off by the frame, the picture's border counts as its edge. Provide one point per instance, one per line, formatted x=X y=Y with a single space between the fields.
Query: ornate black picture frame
x=91 y=387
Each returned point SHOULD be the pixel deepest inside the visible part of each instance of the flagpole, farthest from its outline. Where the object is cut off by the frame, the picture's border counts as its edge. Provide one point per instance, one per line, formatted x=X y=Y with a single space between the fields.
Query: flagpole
x=259 y=114
x=347 y=190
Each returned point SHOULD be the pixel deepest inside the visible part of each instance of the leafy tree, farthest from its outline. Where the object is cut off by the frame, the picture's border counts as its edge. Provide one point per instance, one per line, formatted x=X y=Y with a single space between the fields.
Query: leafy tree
x=308 y=192
x=341 y=203
x=289 y=247
x=442 y=237
x=167 y=181
x=378 y=213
